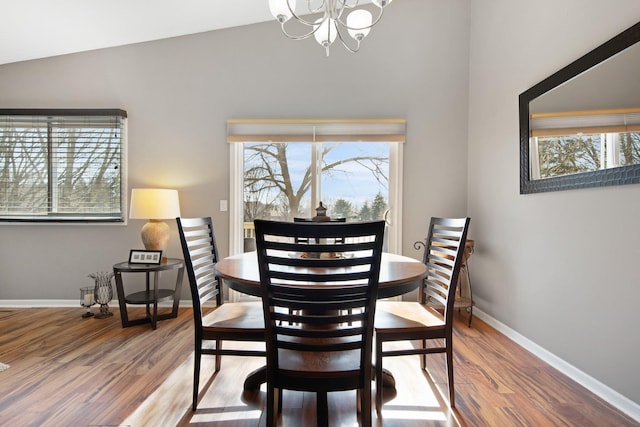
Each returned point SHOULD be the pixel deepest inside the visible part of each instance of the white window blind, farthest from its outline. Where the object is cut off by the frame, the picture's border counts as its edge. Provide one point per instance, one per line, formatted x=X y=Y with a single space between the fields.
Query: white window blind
x=62 y=165
x=316 y=130
x=585 y=122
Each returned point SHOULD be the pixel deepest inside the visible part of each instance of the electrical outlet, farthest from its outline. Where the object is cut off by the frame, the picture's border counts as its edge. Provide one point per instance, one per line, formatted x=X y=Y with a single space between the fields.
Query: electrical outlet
x=223 y=206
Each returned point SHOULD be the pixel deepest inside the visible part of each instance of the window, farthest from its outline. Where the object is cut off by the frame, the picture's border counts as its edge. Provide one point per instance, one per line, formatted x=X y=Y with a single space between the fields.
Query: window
x=287 y=180
x=573 y=142
x=62 y=165
x=284 y=169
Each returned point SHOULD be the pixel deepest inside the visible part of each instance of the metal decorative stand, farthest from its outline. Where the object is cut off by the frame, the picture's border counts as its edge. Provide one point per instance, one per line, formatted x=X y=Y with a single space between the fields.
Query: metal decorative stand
x=103 y=292
x=87 y=299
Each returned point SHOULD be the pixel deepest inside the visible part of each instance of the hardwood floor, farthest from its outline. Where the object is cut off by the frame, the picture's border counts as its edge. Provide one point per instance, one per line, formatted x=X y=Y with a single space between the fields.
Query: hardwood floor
x=69 y=371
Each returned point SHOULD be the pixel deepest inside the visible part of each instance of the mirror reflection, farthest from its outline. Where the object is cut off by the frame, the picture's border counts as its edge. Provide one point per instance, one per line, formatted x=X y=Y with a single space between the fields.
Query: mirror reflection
x=589 y=123
x=580 y=127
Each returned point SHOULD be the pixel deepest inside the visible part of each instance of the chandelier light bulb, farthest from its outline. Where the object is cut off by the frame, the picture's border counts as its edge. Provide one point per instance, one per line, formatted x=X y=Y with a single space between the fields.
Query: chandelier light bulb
x=281 y=9
x=325 y=32
x=359 y=23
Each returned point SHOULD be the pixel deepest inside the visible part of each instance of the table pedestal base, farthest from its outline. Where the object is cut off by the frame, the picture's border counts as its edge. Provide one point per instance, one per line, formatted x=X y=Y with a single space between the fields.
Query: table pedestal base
x=258 y=377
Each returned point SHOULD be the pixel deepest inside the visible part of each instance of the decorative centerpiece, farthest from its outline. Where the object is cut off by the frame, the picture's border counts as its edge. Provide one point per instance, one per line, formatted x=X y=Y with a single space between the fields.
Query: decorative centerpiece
x=321 y=214
x=103 y=292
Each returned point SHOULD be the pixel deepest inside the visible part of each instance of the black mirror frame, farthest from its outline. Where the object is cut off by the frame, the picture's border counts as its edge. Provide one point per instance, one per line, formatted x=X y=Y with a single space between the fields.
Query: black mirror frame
x=606 y=177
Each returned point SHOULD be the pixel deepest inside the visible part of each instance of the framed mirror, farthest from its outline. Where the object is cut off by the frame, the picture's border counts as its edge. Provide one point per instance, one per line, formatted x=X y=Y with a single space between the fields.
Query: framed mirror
x=580 y=127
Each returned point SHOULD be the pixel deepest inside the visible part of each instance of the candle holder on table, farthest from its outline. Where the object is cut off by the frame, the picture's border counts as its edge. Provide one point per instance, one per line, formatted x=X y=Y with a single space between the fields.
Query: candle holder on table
x=103 y=292
x=87 y=299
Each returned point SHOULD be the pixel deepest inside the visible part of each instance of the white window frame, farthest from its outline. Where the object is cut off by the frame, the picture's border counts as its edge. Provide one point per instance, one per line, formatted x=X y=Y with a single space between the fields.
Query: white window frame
x=236 y=220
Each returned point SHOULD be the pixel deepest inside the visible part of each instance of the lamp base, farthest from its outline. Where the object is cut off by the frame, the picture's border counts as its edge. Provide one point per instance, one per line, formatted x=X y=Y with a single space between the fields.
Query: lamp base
x=155 y=235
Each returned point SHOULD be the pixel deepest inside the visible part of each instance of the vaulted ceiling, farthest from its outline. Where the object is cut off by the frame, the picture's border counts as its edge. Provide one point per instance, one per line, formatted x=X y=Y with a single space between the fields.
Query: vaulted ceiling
x=32 y=29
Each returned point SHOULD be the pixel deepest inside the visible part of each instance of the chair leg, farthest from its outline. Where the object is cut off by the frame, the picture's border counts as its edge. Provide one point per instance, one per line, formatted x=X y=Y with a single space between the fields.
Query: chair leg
x=272 y=412
x=379 y=386
x=452 y=396
x=218 y=355
x=423 y=356
x=196 y=376
x=322 y=409
x=365 y=406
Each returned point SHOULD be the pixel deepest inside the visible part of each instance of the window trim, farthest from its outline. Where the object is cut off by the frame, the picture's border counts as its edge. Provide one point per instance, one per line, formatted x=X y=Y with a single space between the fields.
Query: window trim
x=240 y=131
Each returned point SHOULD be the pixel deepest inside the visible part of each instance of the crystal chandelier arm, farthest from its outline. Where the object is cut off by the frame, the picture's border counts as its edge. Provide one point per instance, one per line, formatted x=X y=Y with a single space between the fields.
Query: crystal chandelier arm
x=304 y=21
x=300 y=37
x=314 y=25
x=345 y=44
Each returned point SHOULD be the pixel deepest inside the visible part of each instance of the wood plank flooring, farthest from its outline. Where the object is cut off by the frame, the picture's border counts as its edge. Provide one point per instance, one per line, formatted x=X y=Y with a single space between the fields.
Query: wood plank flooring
x=69 y=371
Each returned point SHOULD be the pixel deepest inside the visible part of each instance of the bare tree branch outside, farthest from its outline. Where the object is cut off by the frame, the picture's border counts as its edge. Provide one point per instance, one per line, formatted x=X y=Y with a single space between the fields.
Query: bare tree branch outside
x=277 y=186
x=571 y=154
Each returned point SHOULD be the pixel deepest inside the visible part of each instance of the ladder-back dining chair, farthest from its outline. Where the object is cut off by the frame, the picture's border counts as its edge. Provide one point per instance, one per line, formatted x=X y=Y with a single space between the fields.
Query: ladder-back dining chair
x=315 y=342
x=418 y=321
x=235 y=321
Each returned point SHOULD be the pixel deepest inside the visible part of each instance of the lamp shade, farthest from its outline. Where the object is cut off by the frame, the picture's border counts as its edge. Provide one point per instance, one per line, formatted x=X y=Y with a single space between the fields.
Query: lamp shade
x=154 y=203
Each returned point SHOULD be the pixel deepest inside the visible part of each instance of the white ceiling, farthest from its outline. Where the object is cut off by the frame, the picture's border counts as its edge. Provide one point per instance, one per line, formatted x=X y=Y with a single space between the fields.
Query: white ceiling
x=31 y=29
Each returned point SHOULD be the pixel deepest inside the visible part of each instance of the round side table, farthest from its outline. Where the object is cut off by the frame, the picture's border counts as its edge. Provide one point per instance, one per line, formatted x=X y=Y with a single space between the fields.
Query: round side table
x=151 y=295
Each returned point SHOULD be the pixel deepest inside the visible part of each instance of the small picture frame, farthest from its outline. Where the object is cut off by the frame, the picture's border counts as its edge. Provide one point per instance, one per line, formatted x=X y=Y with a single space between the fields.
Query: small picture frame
x=145 y=257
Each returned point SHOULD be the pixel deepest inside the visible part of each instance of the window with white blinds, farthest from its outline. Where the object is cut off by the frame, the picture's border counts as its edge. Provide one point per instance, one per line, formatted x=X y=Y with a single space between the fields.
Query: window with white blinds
x=62 y=165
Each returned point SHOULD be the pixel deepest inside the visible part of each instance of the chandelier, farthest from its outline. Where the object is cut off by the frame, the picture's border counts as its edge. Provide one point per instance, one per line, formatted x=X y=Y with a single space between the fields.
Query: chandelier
x=331 y=24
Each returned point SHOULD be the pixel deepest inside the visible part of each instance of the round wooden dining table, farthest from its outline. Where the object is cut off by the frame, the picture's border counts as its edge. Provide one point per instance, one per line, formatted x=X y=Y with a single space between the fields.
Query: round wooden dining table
x=398 y=275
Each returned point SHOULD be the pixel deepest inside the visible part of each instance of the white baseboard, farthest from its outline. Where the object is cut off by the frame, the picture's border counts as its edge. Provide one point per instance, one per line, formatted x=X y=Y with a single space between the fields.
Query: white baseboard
x=603 y=391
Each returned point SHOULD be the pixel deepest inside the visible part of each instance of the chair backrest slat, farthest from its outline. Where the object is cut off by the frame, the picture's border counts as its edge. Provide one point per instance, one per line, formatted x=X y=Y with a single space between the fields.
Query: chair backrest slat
x=443 y=256
x=200 y=253
x=319 y=296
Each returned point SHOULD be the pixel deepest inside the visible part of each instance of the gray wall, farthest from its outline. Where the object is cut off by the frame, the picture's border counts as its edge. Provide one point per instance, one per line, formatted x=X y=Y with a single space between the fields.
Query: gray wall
x=179 y=93
x=559 y=268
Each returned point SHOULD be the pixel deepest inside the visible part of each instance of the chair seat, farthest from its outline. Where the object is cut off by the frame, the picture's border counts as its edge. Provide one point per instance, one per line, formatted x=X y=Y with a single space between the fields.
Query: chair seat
x=399 y=317
x=235 y=316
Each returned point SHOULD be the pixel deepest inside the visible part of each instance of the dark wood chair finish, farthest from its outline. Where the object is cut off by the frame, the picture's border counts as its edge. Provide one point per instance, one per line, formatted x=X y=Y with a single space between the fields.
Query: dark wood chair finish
x=409 y=321
x=316 y=239
x=319 y=319
x=237 y=321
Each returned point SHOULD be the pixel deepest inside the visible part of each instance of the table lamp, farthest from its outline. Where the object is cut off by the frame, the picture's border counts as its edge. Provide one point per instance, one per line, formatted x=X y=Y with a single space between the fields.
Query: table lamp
x=154 y=204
